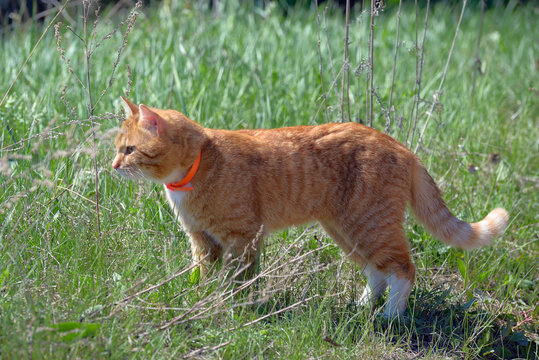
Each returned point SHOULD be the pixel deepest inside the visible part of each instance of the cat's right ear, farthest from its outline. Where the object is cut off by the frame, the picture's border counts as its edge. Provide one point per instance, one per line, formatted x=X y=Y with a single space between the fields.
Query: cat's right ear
x=151 y=121
x=129 y=107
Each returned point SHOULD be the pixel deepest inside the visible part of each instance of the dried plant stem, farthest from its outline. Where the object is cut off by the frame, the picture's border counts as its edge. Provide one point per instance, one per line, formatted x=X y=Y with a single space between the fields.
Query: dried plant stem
x=223 y=298
x=303 y=301
x=418 y=78
x=332 y=86
x=477 y=60
x=130 y=24
x=346 y=74
x=331 y=66
x=437 y=93
x=320 y=68
x=90 y=108
x=129 y=81
x=24 y=65
x=416 y=48
x=389 y=110
x=197 y=353
x=127 y=299
x=371 y=63
x=87 y=39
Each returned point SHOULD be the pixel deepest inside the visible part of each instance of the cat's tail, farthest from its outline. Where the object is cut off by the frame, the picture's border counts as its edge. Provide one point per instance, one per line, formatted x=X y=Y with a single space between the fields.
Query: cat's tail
x=429 y=207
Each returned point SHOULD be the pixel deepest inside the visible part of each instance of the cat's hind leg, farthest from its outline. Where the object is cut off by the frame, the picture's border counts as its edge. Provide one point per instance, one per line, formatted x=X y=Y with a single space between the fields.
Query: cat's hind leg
x=388 y=253
x=381 y=248
x=398 y=295
x=376 y=279
x=376 y=285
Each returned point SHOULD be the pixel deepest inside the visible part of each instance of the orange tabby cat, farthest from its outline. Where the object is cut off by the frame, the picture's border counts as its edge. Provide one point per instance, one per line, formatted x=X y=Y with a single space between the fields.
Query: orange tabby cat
x=229 y=188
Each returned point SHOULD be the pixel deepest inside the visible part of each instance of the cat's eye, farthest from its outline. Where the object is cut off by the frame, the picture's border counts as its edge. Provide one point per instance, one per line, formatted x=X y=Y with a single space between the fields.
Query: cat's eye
x=129 y=150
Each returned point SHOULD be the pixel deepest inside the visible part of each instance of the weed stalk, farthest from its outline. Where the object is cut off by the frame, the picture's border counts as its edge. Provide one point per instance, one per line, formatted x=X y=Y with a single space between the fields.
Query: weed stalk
x=419 y=72
x=477 y=60
x=346 y=73
x=371 y=61
x=438 y=92
x=90 y=107
x=320 y=67
x=389 y=109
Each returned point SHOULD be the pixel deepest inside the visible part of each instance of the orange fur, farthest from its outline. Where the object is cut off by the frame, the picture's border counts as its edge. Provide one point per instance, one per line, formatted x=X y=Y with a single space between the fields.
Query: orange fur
x=354 y=180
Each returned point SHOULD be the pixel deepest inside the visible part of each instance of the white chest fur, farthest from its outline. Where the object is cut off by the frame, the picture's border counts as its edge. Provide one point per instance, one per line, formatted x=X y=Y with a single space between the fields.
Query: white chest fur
x=176 y=201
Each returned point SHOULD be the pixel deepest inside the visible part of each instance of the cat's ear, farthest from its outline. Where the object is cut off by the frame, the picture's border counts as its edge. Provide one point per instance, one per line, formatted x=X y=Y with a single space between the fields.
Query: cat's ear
x=150 y=121
x=129 y=107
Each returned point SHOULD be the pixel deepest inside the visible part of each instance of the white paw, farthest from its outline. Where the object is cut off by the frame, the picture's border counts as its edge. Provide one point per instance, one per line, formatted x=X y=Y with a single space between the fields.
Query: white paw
x=366 y=298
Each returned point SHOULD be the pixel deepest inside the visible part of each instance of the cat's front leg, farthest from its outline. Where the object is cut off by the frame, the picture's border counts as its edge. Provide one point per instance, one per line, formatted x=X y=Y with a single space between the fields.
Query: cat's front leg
x=242 y=253
x=205 y=250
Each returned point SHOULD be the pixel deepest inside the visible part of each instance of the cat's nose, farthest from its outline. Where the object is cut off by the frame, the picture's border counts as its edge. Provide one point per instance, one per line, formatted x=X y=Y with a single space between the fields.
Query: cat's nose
x=115 y=165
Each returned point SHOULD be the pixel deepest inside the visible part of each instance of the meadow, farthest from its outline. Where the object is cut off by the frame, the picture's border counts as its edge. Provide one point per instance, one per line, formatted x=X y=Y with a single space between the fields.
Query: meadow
x=121 y=285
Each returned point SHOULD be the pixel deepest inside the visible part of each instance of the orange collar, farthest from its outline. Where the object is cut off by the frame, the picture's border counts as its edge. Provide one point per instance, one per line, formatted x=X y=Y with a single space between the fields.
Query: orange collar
x=180 y=186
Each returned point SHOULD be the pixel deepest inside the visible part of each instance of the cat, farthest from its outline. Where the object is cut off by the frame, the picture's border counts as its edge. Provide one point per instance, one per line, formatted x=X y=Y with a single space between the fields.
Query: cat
x=230 y=188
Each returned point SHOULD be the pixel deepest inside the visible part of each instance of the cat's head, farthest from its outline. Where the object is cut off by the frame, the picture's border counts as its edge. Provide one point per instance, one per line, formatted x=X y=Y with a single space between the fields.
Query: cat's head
x=156 y=144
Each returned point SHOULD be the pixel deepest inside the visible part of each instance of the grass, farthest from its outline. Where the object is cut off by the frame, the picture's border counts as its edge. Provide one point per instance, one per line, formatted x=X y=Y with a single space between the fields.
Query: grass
x=67 y=291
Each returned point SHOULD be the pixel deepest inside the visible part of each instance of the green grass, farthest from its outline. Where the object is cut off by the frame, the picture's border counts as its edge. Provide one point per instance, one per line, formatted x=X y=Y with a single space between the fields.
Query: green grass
x=243 y=67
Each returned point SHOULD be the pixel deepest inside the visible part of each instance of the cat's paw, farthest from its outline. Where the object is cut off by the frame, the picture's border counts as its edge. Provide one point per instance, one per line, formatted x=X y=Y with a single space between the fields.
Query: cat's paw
x=366 y=298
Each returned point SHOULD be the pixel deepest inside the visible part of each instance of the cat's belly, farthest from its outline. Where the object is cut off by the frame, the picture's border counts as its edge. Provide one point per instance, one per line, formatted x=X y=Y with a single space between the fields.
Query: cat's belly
x=282 y=222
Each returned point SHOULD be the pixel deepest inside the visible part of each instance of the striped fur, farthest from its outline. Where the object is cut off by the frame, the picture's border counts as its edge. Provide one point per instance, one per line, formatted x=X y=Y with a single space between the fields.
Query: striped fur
x=431 y=210
x=355 y=181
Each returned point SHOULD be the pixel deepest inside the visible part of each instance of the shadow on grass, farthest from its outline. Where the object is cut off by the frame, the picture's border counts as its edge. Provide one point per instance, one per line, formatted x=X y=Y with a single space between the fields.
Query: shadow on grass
x=433 y=324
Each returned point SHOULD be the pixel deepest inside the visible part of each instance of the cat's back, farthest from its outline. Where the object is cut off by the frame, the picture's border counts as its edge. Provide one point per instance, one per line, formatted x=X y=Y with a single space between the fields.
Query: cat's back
x=314 y=138
x=305 y=132
x=324 y=151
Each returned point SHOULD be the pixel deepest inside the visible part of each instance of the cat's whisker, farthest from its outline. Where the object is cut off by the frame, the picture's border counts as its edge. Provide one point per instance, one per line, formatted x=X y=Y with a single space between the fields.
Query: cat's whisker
x=141 y=175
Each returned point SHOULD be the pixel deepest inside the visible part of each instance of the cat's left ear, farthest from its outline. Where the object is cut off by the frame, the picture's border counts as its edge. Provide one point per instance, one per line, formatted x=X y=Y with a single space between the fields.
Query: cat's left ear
x=129 y=107
x=150 y=121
